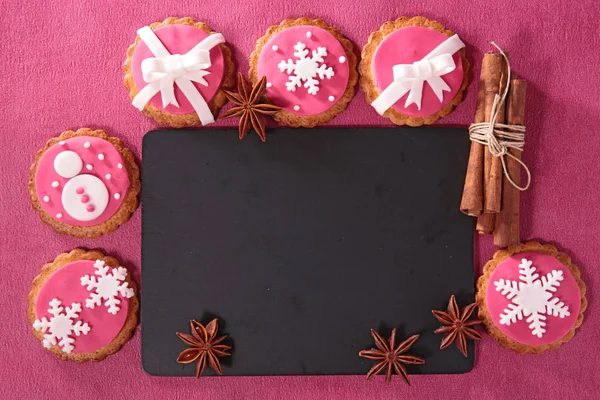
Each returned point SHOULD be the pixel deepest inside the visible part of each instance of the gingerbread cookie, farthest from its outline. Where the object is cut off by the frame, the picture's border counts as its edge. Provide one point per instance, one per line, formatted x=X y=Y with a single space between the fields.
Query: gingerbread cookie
x=83 y=306
x=413 y=71
x=84 y=183
x=175 y=71
x=310 y=69
x=531 y=297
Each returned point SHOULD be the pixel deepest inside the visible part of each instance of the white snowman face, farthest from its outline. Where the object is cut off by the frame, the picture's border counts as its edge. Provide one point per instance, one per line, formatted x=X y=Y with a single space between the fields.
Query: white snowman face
x=84 y=197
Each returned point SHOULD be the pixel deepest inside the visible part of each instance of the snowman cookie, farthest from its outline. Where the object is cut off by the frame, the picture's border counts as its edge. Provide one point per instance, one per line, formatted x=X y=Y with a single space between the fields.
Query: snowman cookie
x=83 y=306
x=310 y=70
x=84 y=183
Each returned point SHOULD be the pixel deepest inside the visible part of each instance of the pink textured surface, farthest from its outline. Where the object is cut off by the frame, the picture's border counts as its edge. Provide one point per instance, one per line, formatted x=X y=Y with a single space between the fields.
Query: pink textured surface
x=65 y=285
x=61 y=69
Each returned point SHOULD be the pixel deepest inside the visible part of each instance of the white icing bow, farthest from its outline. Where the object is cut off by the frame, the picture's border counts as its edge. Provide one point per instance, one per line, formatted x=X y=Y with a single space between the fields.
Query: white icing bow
x=410 y=77
x=165 y=70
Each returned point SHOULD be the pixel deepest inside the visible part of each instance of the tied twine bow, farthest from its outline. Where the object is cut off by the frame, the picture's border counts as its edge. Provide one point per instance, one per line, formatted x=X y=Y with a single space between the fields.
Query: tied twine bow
x=165 y=70
x=411 y=77
x=501 y=137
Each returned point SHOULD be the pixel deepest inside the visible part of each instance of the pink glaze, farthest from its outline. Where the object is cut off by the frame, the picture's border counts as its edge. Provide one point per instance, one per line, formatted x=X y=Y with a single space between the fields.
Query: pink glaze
x=405 y=46
x=46 y=175
x=285 y=42
x=179 y=39
x=65 y=285
x=567 y=292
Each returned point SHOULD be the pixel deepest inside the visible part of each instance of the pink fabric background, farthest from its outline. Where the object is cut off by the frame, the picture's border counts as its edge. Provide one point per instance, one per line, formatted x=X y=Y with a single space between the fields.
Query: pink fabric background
x=61 y=69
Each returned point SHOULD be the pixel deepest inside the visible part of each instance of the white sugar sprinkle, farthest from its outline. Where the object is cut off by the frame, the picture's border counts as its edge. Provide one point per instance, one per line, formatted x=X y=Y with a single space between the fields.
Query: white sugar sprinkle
x=342 y=59
x=55 y=184
x=86 y=145
x=100 y=156
x=117 y=196
x=108 y=176
x=89 y=166
x=296 y=108
x=331 y=98
x=119 y=165
x=275 y=48
x=46 y=199
x=269 y=84
x=59 y=215
x=308 y=34
x=62 y=142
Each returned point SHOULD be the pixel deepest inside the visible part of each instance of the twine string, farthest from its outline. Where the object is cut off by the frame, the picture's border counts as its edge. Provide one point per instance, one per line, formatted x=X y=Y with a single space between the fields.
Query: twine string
x=499 y=137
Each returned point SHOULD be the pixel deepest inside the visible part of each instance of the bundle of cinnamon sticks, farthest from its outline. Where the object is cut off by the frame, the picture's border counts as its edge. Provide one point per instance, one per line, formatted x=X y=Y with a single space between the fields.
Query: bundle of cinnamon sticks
x=487 y=194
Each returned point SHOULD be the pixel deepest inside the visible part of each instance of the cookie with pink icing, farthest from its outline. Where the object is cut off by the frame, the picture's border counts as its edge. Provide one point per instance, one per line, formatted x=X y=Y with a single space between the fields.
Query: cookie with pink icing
x=531 y=297
x=84 y=183
x=310 y=70
x=413 y=71
x=83 y=306
x=175 y=71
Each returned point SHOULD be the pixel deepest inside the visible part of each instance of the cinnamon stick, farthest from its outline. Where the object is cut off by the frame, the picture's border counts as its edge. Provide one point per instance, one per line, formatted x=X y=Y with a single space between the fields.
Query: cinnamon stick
x=493 y=67
x=493 y=182
x=506 y=232
x=472 y=198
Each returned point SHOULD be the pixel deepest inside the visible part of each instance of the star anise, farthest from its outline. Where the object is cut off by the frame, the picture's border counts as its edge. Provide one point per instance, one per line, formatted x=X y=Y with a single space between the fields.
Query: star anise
x=204 y=347
x=457 y=325
x=391 y=356
x=249 y=104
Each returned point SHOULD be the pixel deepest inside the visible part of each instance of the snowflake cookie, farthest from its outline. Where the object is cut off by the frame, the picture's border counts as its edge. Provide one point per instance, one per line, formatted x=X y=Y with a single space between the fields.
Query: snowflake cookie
x=64 y=314
x=531 y=297
x=310 y=70
x=84 y=183
x=413 y=71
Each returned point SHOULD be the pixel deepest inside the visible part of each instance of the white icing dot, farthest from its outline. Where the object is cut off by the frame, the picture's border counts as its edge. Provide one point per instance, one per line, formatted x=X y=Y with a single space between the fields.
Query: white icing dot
x=108 y=176
x=308 y=34
x=62 y=142
x=86 y=145
x=269 y=84
x=59 y=215
x=55 y=184
x=100 y=156
x=296 y=108
x=117 y=196
x=275 y=48
x=342 y=59
x=89 y=166
x=119 y=165
x=331 y=98
x=46 y=199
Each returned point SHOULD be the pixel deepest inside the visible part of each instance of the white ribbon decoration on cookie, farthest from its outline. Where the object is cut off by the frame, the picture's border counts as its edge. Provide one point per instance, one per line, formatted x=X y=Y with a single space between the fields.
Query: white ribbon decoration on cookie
x=165 y=70
x=410 y=77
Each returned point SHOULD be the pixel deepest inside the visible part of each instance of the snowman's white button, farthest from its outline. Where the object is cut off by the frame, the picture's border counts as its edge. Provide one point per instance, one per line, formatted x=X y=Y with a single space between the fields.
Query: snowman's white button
x=94 y=189
x=68 y=164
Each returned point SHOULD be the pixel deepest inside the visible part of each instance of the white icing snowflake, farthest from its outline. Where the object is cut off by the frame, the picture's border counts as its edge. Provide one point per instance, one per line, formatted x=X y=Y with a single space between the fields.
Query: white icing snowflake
x=532 y=298
x=106 y=287
x=61 y=326
x=306 y=69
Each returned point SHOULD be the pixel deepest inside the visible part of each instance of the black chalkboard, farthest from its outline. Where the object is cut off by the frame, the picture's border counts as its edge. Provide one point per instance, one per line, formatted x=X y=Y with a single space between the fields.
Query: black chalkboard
x=302 y=244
